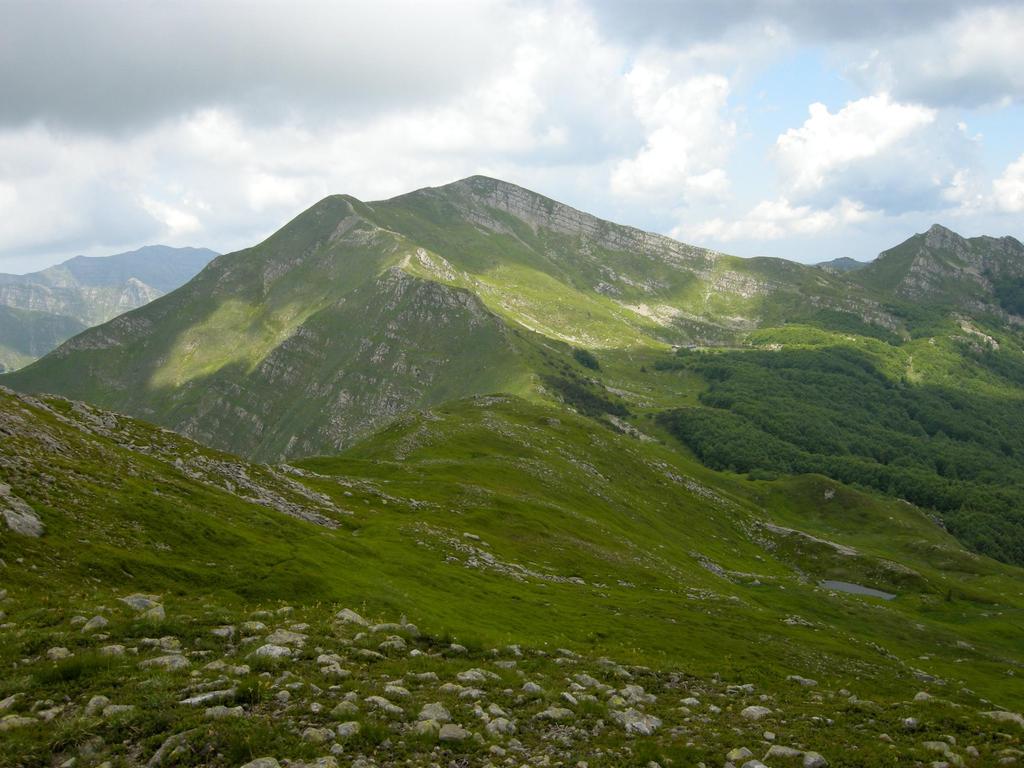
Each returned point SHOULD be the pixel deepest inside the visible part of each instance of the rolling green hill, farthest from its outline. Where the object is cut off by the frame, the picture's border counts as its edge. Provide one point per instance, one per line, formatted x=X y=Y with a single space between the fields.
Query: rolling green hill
x=527 y=545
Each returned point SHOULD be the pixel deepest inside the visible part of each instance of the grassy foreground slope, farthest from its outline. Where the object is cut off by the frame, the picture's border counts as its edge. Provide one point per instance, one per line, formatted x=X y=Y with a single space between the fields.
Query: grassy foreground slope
x=489 y=522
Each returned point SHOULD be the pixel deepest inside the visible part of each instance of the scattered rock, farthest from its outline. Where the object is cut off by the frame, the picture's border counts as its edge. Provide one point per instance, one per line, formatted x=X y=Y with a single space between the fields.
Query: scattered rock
x=271 y=651
x=435 y=711
x=453 y=732
x=171 y=663
x=96 y=622
x=636 y=722
x=220 y=712
x=10 y=722
x=755 y=712
x=351 y=617
x=139 y=602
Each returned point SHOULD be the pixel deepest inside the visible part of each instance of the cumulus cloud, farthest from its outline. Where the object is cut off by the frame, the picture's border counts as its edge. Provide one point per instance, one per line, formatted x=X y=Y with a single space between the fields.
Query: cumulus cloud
x=214 y=176
x=889 y=155
x=688 y=135
x=974 y=57
x=775 y=219
x=829 y=143
x=1008 y=189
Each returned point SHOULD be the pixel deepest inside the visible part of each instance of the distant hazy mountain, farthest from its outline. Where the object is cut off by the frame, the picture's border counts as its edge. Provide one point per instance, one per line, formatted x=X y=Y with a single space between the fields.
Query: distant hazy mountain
x=841 y=265
x=43 y=309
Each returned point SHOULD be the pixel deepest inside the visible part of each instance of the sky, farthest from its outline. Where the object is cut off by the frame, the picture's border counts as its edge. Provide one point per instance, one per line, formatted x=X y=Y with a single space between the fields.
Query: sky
x=806 y=130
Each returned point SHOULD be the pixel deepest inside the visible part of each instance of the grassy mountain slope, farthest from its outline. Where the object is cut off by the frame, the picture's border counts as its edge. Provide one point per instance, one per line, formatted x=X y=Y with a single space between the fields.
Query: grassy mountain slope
x=26 y=335
x=43 y=309
x=490 y=521
x=354 y=312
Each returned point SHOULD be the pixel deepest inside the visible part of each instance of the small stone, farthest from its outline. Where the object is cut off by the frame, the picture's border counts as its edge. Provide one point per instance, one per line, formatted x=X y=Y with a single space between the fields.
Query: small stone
x=814 y=760
x=635 y=722
x=208 y=697
x=452 y=732
x=96 y=705
x=435 y=711
x=501 y=726
x=806 y=681
x=10 y=722
x=58 y=653
x=347 y=616
x=777 y=750
x=532 y=688
x=112 y=710
x=112 y=650
x=262 y=762
x=1005 y=717
x=345 y=709
x=318 y=735
x=96 y=622
x=272 y=651
x=220 y=712
x=156 y=613
x=347 y=729
x=555 y=714
x=922 y=696
x=737 y=754
x=171 y=663
x=140 y=602
x=427 y=728
x=286 y=637
x=378 y=702
x=755 y=712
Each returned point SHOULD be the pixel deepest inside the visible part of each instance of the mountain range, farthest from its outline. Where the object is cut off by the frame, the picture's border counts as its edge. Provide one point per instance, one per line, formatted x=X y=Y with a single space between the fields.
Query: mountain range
x=40 y=310
x=468 y=476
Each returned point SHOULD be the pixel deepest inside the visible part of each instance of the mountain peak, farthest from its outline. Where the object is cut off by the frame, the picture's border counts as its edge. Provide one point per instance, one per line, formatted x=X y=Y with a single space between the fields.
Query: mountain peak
x=939 y=236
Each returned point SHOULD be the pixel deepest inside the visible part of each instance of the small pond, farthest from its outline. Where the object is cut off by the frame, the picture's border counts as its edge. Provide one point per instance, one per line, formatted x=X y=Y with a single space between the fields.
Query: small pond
x=855 y=589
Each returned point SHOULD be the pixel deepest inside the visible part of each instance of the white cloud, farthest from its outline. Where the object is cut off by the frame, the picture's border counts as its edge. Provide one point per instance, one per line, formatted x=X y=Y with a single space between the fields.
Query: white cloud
x=775 y=219
x=972 y=58
x=687 y=135
x=213 y=177
x=827 y=143
x=1008 y=189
